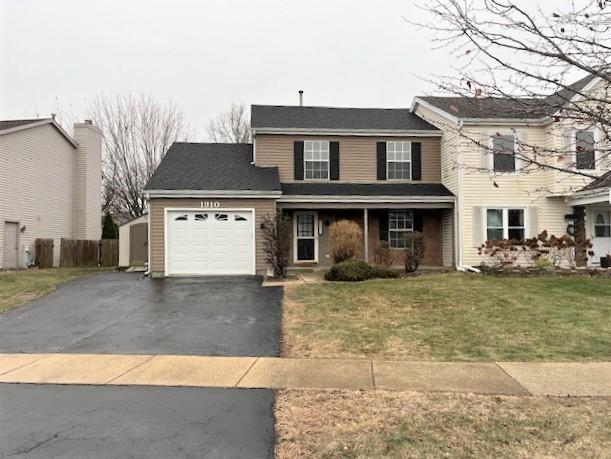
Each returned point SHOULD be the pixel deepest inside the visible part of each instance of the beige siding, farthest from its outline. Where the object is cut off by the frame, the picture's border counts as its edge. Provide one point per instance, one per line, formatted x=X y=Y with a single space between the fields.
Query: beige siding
x=124 y=239
x=36 y=186
x=87 y=182
x=157 y=223
x=357 y=155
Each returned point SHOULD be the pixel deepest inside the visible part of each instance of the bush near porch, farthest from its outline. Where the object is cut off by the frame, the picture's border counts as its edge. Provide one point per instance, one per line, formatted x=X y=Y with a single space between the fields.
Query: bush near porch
x=453 y=316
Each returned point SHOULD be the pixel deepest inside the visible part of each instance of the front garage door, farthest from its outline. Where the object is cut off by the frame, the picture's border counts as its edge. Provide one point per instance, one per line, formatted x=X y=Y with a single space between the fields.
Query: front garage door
x=210 y=242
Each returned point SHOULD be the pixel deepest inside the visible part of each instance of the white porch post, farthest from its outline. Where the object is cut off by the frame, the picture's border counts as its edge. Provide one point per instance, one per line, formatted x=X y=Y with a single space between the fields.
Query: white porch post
x=366 y=233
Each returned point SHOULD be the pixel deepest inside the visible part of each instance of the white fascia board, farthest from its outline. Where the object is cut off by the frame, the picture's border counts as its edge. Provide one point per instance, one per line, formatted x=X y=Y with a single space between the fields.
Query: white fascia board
x=227 y=194
x=357 y=198
x=351 y=132
x=597 y=196
x=434 y=109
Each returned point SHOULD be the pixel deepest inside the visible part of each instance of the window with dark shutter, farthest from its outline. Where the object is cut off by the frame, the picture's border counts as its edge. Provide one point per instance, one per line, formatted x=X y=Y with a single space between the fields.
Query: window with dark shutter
x=383 y=225
x=416 y=161
x=381 y=161
x=298 y=160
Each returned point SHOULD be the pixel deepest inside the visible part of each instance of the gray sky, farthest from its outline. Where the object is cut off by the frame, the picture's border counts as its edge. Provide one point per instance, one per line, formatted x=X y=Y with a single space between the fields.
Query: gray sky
x=206 y=54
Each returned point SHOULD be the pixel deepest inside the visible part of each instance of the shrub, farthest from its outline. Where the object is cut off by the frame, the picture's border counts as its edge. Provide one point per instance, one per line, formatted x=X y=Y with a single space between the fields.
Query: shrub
x=382 y=254
x=346 y=240
x=356 y=270
x=276 y=231
x=413 y=252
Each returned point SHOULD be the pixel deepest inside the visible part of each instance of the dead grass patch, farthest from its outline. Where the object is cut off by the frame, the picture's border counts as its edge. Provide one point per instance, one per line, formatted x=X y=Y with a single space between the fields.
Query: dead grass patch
x=353 y=424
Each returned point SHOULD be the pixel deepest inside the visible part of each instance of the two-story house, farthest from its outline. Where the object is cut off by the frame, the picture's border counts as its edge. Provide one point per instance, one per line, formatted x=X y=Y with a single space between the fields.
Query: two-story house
x=379 y=167
x=500 y=198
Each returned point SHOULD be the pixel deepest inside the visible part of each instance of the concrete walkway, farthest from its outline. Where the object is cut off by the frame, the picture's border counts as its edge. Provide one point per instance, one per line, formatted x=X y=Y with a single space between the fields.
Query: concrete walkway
x=575 y=379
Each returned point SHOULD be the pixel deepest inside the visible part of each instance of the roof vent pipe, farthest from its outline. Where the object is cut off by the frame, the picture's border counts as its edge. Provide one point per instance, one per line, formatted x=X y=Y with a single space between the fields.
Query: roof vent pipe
x=301 y=98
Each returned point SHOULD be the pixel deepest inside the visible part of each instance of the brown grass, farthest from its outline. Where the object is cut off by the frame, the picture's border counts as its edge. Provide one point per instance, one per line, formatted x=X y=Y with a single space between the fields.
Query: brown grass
x=352 y=424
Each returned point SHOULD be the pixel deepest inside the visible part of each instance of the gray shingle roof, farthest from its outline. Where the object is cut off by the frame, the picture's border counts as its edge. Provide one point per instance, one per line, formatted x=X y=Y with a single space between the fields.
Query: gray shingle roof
x=366 y=189
x=298 y=117
x=510 y=108
x=212 y=166
x=604 y=181
x=9 y=124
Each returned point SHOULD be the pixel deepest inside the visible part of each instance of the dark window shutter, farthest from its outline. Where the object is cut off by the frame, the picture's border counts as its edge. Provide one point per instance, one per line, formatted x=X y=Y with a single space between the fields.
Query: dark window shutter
x=384 y=225
x=381 y=161
x=334 y=160
x=418 y=221
x=298 y=160
x=416 y=161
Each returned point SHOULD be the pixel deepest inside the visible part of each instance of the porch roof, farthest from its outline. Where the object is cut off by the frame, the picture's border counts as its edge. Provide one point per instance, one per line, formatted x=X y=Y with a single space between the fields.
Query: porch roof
x=406 y=190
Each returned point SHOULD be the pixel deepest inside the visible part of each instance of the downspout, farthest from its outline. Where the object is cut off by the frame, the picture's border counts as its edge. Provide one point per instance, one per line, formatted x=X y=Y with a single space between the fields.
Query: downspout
x=147 y=273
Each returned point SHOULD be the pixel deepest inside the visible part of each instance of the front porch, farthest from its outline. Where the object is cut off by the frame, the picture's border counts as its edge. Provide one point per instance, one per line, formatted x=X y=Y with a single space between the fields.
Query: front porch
x=311 y=240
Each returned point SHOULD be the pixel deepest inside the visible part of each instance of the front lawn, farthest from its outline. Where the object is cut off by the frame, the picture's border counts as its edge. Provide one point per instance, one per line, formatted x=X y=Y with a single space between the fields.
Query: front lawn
x=347 y=424
x=18 y=287
x=452 y=317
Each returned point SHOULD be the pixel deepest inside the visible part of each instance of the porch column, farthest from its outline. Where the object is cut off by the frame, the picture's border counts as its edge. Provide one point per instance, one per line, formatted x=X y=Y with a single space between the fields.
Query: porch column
x=366 y=233
x=581 y=255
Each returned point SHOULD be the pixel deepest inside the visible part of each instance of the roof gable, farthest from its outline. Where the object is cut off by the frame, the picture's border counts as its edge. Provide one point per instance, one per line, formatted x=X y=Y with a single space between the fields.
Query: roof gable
x=10 y=126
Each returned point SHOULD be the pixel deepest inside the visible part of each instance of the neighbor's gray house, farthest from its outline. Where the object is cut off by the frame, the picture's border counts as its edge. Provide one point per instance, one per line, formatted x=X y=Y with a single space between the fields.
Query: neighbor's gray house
x=50 y=186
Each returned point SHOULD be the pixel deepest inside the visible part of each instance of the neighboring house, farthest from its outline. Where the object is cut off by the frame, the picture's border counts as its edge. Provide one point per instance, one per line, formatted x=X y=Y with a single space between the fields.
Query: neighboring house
x=495 y=198
x=49 y=186
x=380 y=167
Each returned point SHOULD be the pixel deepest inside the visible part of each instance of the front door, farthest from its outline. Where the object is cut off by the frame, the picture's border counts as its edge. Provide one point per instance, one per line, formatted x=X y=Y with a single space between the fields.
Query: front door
x=306 y=236
x=10 y=244
x=600 y=234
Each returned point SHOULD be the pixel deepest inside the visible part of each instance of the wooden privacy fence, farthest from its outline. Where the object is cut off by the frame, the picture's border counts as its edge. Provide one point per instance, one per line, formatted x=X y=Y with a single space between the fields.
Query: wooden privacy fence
x=44 y=253
x=82 y=252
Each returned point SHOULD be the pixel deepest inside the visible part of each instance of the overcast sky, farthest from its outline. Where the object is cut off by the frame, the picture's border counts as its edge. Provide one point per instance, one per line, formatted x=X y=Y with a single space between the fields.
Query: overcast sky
x=206 y=54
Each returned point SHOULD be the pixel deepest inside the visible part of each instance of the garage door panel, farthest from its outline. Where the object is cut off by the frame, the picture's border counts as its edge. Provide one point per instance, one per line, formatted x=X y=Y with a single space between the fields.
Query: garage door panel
x=210 y=243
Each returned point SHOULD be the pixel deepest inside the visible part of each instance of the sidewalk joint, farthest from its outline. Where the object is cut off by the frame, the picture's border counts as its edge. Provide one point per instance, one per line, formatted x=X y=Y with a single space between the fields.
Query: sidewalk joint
x=246 y=372
x=512 y=378
x=131 y=369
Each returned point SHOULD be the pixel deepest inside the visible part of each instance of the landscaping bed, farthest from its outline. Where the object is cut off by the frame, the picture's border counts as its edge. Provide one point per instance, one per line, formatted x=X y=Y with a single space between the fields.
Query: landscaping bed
x=452 y=317
x=18 y=287
x=350 y=424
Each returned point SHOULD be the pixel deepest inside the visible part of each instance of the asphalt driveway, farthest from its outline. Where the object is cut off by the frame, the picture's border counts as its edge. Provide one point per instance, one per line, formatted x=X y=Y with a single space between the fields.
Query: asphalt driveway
x=120 y=314
x=138 y=422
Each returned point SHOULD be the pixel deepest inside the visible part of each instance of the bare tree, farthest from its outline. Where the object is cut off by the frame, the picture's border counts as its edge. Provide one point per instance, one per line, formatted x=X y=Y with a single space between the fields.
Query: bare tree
x=523 y=60
x=232 y=126
x=138 y=130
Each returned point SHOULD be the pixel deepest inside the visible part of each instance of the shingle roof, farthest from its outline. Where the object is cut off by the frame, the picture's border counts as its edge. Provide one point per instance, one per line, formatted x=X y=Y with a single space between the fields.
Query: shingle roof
x=212 y=166
x=604 y=181
x=366 y=189
x=9 y=124
x=298 y=117
x=510 y=108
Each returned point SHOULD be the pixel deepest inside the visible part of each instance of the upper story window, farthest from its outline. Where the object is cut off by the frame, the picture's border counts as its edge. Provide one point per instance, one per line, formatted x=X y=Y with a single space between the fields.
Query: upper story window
x=399 y=160
x=505 y=224
x=504 y=153
x=585 y=155
x=400 y=224
x=316 y=159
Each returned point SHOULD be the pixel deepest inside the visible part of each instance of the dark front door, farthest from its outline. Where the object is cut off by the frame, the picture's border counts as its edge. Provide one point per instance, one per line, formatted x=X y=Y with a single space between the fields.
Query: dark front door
x=306 y=237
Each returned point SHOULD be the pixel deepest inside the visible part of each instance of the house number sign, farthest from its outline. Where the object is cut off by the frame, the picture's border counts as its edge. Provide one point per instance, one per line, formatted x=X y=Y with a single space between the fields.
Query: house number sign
x=211 y=204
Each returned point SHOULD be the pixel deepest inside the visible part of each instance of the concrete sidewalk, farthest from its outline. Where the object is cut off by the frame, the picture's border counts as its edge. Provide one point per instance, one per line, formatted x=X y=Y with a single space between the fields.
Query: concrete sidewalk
x=576 y=379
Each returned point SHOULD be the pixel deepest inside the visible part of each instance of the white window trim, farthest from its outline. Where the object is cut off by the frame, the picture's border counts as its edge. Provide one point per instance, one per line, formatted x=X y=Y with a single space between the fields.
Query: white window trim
x=411 y=164
x=505 y=211
x=399 y=231
x=597 y=159
x=594 y=213
x=295 y=238
x=328 y=161
x=516 y=141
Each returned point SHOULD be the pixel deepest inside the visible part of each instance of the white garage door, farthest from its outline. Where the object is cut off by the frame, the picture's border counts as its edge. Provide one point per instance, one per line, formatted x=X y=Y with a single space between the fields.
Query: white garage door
x=210 y=242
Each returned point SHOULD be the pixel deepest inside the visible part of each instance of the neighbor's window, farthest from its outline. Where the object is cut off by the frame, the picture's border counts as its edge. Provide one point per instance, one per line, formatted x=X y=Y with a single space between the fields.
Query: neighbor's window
x=585 y=156
x=602 y=224
x=400 y=224
x=316 y=159
x=504 y=153
x=399 y=160
x=505 y=224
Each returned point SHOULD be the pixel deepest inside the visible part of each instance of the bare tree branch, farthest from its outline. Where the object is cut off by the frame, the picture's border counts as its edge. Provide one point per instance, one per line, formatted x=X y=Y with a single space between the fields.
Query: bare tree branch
x=232 y=126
